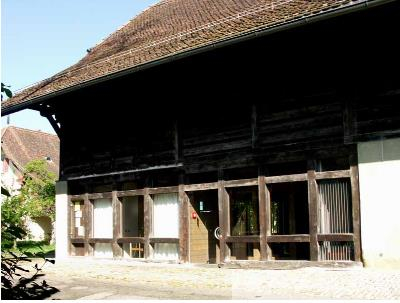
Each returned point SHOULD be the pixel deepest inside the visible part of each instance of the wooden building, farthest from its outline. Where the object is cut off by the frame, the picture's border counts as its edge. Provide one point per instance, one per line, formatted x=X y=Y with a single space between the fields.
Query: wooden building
x=229 y=131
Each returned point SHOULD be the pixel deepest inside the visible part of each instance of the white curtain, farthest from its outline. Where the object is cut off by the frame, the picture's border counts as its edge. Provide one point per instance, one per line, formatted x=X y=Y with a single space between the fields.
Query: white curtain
x=166 y=251
x=102 y=219
x=166 y=216
x=103 y=250
x=166 y=225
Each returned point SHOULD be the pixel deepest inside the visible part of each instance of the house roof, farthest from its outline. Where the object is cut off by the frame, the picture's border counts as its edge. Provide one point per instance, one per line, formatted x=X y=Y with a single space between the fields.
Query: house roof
x=171 y=28
x=22 y=145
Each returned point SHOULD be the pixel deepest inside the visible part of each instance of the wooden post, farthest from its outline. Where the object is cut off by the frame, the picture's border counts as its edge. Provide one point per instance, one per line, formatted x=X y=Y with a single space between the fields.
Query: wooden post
x=264 y=215
x=223 y=211
x=148 y=214
x=183 y=224
x=87 y=216
x=355 y=198
x=313 y=209
x=116 y=207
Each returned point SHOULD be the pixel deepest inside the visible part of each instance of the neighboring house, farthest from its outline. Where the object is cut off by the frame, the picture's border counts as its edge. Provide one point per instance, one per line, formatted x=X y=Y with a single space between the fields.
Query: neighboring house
x=19 y=146
x=229 y=131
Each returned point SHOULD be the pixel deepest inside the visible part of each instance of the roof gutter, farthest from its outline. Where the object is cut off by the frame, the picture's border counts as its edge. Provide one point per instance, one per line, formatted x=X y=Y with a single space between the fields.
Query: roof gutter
x=260 y=32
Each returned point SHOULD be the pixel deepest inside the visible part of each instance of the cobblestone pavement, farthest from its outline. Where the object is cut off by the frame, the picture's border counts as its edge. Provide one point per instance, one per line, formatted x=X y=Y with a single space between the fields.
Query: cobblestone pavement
x=79 y=278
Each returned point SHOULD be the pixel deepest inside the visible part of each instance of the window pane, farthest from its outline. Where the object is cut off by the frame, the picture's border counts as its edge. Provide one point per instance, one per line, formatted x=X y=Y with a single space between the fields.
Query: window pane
x=244 y=211
x=166 y=216
x=132 y=217
x=102 y=218
x=289 y=208
x=335 y=210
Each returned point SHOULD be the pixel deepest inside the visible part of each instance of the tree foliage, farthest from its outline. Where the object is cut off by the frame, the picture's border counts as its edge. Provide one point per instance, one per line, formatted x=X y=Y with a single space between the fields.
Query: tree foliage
x=5 y=90
x=38 y=191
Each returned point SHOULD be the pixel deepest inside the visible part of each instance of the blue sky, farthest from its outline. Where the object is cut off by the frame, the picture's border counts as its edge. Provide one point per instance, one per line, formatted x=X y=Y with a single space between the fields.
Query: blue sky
x=42 y=37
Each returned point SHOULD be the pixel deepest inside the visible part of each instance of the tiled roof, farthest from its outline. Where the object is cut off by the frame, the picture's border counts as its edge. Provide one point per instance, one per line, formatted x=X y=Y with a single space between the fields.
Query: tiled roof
x=23 y=145
x=172 y=27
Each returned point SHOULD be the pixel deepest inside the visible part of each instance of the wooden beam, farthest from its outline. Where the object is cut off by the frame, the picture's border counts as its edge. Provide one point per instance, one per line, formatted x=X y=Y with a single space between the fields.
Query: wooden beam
x=164 y=240
x=148 y=213
x=263 y=213
x=240 y=183
x=288 y=238
x=130 y=193
x=286 y=178
x=355 y=199
x=242 y=239
x=78 y=240
x=183 y=223
x=202 y=186
x=336 y=237
x=131 y=240
x=313 y=209
x=44 y=113
x=332 y=174
x=100 y=240
x=105 y=195
x=77 y=197
x=163 y=190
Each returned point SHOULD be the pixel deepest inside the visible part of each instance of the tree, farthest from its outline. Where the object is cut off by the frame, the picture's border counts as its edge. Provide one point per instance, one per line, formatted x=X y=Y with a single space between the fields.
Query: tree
x=5 y=90
x=36 y=199
x=38 y=191
x=40 y=184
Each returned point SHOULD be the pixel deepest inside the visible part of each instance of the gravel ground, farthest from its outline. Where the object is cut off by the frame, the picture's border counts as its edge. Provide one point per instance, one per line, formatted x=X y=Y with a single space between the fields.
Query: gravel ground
x=85 y=278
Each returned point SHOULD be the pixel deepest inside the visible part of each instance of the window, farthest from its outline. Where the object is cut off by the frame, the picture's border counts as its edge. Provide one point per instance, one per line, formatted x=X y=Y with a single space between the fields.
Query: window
x=102 y=218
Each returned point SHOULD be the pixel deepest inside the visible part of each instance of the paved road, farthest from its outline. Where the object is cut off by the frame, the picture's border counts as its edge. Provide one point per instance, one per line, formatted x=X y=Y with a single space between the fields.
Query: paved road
x=79 y=278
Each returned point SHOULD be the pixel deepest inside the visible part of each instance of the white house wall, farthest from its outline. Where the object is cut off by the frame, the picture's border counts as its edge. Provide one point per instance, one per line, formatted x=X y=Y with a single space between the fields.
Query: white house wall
x=379 y=175
x=61 y=220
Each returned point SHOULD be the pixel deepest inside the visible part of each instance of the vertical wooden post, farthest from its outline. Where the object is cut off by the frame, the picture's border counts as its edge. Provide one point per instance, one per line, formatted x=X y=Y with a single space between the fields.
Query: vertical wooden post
x=355 y=198
x=313 y=209
x=263 y=214
x=116 y=207
x=86 y=216
x=148 y=214
x=268 y=220
x=223 y=212
x=183 y=224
